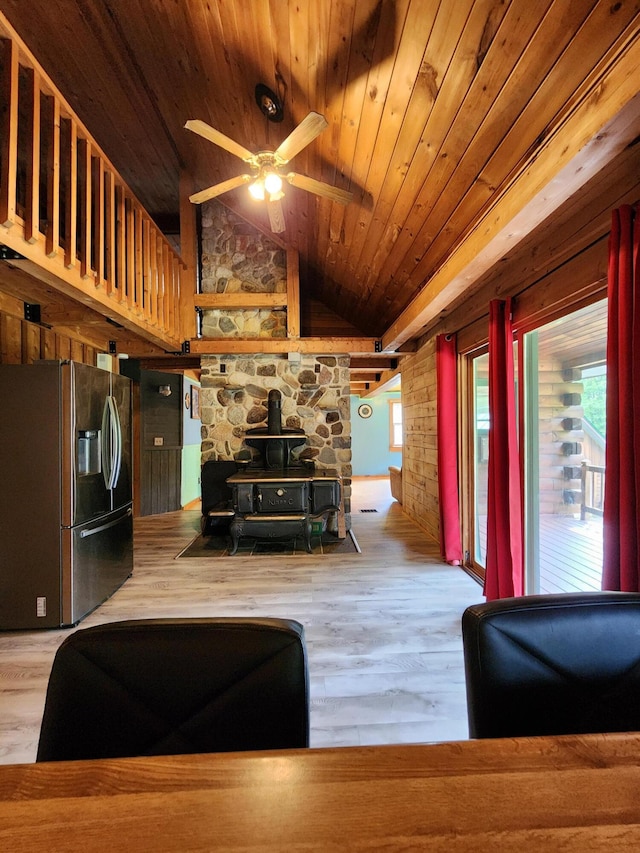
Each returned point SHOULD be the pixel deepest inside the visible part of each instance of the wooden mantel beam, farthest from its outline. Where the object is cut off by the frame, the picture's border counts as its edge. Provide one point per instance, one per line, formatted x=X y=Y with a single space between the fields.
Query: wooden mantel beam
x=327 y=346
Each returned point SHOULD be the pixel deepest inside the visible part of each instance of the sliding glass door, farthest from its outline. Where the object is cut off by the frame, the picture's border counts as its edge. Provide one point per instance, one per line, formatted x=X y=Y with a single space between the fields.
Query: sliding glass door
x=479 y=457
x=562 y=441
x=563 y=453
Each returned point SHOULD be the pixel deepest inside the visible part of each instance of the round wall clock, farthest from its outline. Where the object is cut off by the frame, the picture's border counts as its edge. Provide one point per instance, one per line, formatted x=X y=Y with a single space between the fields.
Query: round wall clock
x=365 y=410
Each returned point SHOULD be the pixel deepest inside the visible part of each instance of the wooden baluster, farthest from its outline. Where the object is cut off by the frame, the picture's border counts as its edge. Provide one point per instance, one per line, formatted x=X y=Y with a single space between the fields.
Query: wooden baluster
x=121 y=244
x=130 y=235
x=161 y=282
x=166 y=274
x=52 y=240
x=171 y=261
x=32 y=140
x=98 y=222
x=84 y=211
x=177 y=302
x=71 y=198
x=154 y=278
x=110 y=232
x=146 y=268
x=139 y=295
x=8 y=131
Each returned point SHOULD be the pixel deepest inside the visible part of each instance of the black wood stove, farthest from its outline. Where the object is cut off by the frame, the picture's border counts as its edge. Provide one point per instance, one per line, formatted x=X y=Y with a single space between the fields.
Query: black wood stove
x=279 y=496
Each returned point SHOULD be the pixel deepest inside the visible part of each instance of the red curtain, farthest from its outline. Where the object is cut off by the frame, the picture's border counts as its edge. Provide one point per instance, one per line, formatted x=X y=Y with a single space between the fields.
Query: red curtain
x=504 y=564
x=621 y=567
x=447 y=422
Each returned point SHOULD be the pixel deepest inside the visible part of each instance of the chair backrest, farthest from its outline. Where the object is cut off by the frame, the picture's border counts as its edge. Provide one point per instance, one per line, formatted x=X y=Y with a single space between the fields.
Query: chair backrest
x=553 y=664
x=175 y=686
x=213 y=482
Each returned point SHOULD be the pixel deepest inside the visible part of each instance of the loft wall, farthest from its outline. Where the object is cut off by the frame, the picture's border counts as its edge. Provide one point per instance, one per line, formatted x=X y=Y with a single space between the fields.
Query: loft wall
x=22 y=342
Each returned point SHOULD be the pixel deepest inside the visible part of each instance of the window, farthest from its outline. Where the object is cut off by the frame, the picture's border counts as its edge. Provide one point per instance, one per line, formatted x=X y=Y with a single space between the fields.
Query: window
x=395 y=425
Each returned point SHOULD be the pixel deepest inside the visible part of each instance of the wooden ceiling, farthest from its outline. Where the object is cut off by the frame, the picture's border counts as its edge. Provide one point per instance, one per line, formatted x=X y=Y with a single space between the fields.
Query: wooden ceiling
x=458 y=126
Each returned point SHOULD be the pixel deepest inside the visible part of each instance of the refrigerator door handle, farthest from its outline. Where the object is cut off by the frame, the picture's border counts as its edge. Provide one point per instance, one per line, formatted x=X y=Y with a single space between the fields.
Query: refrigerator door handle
x=116 y=442
x=111 y=443
x=109 y=524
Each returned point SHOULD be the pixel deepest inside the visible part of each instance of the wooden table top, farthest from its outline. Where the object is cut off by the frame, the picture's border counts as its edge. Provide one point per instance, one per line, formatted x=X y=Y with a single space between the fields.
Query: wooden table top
x=572 y=793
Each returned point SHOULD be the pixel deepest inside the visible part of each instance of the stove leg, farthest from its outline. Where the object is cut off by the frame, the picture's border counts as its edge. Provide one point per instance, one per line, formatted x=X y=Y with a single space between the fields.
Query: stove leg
x=307 y=534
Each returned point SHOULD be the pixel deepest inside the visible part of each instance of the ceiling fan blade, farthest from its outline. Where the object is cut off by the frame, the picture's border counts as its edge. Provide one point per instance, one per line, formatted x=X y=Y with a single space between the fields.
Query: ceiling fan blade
x=319 y=188
x=302 y=135
x=218 y=189
x=213 y=135
x=276 y=216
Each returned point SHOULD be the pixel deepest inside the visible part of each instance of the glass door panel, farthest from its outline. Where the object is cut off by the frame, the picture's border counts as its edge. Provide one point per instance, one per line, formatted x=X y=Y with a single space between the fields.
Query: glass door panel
x=564 y=412
x=480 y=456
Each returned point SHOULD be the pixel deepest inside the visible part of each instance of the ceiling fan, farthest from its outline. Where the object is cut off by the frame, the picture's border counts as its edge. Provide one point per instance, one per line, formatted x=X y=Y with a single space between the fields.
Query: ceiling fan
x=267 y=168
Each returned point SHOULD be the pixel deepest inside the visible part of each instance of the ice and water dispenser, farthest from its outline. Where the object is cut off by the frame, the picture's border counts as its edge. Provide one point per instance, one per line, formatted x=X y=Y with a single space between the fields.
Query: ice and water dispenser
x=89 y=455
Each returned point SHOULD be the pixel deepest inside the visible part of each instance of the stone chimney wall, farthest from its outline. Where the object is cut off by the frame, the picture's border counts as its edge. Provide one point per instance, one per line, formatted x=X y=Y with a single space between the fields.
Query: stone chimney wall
x=237 y=258
x=315 y=398
x=315 y=387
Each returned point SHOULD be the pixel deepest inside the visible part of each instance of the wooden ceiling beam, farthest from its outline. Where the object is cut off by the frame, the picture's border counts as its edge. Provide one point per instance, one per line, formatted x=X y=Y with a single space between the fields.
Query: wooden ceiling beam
x=171 y=363
x=375 y=363
x=389 y=381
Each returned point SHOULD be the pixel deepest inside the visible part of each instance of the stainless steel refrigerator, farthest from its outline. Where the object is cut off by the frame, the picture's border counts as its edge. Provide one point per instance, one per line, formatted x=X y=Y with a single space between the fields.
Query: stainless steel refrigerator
x=66 y=520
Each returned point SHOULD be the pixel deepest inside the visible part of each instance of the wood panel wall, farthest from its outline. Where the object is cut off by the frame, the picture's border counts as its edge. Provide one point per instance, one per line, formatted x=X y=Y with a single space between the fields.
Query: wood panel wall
x=560 y=267
x=23 y=342
x=160 y=465
x=419 y=455
x=160 y=481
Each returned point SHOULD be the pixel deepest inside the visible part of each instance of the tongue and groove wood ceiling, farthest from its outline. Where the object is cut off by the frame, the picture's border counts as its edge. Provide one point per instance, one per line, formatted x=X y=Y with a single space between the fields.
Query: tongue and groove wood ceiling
x=457 y=125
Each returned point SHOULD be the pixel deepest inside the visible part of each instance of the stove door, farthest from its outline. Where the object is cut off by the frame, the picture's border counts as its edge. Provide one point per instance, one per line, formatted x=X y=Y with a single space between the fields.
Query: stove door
x=325 y=496
x=283 y=497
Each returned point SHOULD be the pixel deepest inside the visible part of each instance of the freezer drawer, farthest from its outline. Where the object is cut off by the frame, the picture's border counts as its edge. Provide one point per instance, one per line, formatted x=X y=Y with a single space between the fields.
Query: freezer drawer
x=97 y=559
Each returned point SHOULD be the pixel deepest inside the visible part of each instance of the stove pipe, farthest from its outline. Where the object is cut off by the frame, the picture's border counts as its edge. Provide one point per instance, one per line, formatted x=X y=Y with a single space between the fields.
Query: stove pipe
x=274 y=413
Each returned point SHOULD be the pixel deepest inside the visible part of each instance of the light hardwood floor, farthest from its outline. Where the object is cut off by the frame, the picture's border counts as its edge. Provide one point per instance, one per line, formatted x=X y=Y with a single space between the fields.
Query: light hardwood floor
x=382 y=627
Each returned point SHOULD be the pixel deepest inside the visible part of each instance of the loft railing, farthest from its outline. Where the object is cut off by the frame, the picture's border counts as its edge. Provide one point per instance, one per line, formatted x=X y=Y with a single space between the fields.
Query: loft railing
x=65 y=208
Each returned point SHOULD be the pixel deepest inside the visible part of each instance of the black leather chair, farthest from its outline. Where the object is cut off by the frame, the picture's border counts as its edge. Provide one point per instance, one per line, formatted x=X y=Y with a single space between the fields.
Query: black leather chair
x=553 y=664
x=175 y=686
x=217 y=503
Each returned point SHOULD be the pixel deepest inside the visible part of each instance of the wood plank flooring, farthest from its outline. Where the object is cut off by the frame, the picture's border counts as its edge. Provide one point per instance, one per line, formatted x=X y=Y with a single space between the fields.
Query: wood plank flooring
x=382 y=627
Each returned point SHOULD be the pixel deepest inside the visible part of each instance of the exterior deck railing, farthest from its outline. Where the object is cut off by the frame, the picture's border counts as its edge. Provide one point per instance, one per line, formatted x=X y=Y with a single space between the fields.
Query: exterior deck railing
x=592 y=490
x=65 y=208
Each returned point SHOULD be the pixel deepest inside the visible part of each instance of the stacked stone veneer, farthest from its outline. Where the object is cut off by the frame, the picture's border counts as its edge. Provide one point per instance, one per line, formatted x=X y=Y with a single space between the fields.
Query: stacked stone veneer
x=236 y=258
x=315 y=398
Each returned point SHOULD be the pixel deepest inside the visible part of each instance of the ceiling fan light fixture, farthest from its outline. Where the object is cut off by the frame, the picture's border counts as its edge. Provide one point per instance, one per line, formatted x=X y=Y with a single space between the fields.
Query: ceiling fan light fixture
x=272 y=183
x=256 y=190
x=267 y=166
